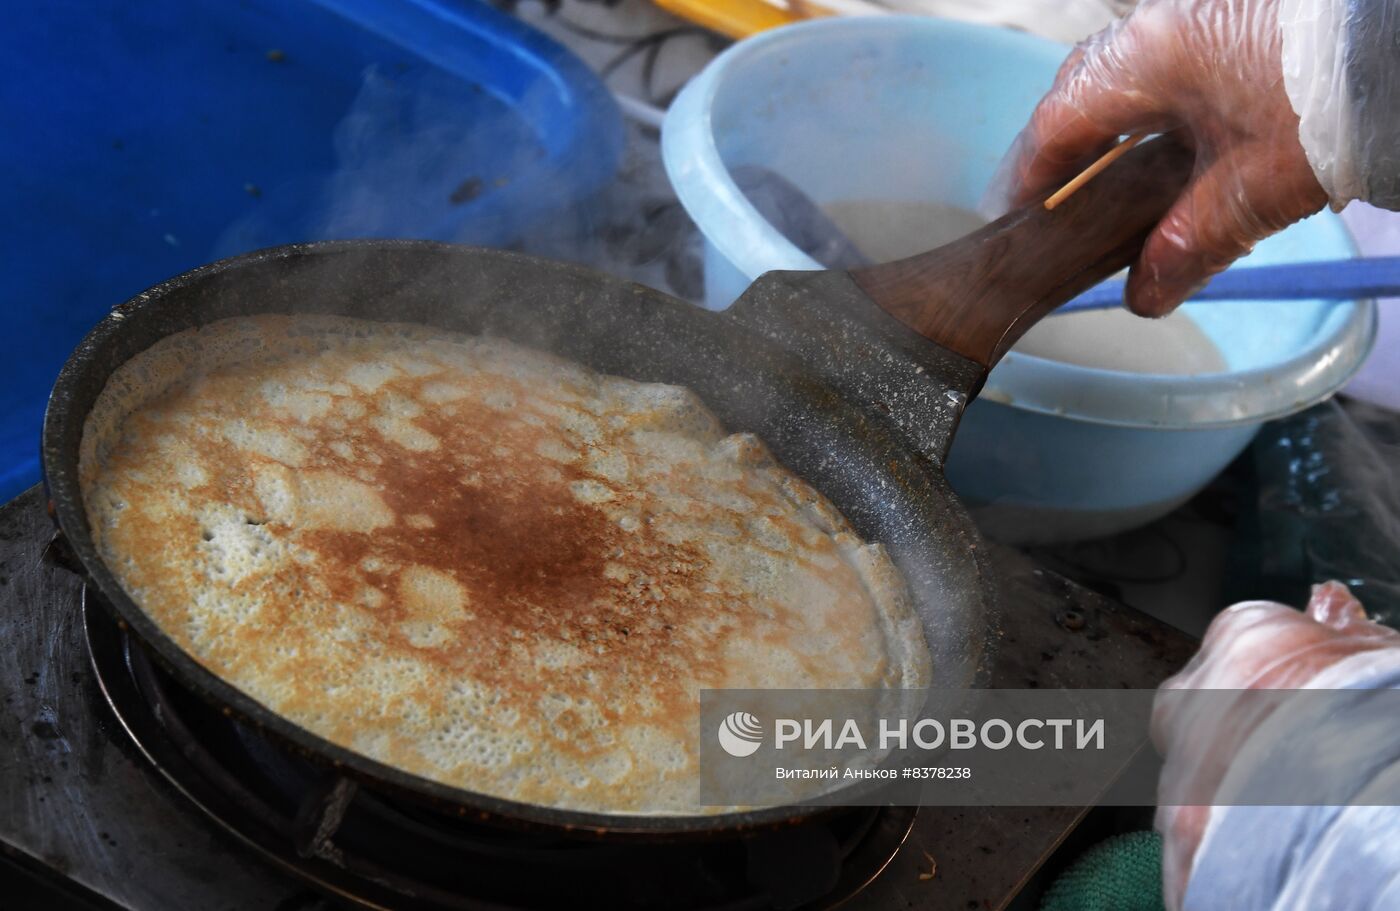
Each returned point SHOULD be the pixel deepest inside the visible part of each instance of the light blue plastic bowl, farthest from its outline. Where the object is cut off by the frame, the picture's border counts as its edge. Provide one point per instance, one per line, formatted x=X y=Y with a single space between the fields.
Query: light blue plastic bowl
x=923 y=109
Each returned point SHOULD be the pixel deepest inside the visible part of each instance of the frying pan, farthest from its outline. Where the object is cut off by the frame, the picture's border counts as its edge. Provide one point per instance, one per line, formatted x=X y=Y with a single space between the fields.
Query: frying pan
x=855 y=380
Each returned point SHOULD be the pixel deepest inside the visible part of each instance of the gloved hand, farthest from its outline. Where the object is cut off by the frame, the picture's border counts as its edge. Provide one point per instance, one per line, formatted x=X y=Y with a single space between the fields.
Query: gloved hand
x=1212 y=70
x=1255 y=645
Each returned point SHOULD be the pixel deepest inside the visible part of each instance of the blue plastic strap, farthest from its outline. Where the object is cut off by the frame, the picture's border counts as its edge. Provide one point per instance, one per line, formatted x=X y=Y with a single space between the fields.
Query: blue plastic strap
x=1340 y=279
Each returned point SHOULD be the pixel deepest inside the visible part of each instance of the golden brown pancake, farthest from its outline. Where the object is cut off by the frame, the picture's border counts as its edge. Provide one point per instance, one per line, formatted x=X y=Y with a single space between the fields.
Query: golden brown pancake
x=475 y=562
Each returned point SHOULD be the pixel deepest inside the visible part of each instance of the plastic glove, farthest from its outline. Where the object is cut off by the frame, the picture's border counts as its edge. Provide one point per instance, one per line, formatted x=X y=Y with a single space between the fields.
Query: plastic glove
x=1254 y=645
x=1212 y=70
x=1339 y=67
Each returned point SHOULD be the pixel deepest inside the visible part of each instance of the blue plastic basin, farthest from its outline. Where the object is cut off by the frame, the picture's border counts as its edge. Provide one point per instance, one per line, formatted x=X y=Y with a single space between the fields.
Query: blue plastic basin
x=903 y=108
x=142 y=139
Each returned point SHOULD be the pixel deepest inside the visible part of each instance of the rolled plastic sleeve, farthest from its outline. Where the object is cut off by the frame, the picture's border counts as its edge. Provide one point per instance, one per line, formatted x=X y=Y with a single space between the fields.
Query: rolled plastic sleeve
x=1341 y=70
x=1343 y=857
x=1221 y=847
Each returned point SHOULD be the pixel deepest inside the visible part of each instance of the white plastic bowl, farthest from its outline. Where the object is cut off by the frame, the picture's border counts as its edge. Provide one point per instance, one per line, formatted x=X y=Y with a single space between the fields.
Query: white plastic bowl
x=923 y=109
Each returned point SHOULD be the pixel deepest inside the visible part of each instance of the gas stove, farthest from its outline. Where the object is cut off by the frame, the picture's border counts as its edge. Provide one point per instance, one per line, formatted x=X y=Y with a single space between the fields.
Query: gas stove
x=119 y=789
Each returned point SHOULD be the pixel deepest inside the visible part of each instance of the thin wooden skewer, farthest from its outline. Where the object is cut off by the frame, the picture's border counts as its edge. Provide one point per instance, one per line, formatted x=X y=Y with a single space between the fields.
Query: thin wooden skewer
x=1090 y=172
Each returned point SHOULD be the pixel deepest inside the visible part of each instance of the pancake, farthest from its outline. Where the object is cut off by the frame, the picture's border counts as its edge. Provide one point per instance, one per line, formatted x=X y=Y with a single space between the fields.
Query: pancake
x=476 y=562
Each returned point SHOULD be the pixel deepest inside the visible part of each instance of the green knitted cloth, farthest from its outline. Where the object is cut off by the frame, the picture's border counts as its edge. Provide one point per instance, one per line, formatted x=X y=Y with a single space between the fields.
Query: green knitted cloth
x=1123 y=873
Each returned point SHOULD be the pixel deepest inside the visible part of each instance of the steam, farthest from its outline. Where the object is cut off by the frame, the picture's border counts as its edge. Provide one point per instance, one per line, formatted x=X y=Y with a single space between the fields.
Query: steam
x=406 y=163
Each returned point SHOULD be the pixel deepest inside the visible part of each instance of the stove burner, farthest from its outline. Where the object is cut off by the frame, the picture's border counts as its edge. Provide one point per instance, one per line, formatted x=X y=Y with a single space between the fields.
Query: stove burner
x=379 y=850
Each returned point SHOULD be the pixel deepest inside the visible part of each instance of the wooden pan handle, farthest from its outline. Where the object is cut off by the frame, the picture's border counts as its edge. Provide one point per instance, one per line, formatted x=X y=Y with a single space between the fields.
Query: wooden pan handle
x=978 y=295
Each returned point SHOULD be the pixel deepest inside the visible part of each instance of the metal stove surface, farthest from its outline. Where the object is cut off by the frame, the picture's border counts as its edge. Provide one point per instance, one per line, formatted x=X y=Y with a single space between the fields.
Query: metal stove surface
x=81 y=809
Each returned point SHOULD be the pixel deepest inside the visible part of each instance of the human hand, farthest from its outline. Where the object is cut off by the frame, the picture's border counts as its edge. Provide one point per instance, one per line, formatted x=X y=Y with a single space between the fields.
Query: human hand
x=1210 y=70
x=1256 y=645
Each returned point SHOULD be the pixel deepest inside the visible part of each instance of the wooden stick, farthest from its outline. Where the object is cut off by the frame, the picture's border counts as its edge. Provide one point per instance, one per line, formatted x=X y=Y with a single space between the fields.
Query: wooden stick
x=1090 y=172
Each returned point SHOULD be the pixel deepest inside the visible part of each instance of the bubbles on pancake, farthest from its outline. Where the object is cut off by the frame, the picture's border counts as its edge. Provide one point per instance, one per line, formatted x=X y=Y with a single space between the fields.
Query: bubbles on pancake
x=189 y=474
x=413 y=365
x=558 y=656
x=426 y=633
x=527 y=606
x=442 y=392
x=609 y=768
x=555 y=449
x=319 y=499
x=499 y=399
x=395 y=405
x=300 y=405
x=405 y=433
x=663 y=749
x=367 y=376
x=430 y=595
x=373 y=564
x=352 y=409
x=590 y=491
x=769 y=534
x=272 y=443
x=610 y=465
x=577 y=424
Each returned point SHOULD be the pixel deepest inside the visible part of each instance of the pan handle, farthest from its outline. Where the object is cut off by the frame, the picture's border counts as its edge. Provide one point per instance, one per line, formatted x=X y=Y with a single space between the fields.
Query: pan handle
x=978 y=295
